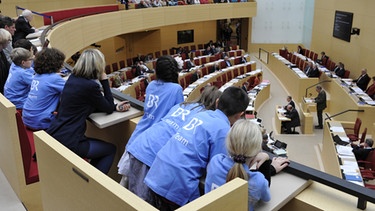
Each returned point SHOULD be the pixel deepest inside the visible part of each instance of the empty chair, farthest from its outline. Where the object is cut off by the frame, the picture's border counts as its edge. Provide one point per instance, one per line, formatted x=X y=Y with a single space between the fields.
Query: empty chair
x=129 y=75
x=138 y=94
x=171 y=51
x=307 y=53
x=314 y=56
x=332 y=66
x=114 y=67
x=218 y=84
x=242 y=70
x=231 y=53
x=182 y=83
x=357 y=125
x=238 y=52
x=204 y=71
x=192 y=48
x=129 y=62
x=229 y=75
x=235 y=72
x=203 y=60
x=122 y=64
x=108 y=69
x=164 y=52
x=27 y=150
x=198 y=53
x=224 y=78
x=347 y=73
x=157 y=54
x=248 y=68
x=200 y=46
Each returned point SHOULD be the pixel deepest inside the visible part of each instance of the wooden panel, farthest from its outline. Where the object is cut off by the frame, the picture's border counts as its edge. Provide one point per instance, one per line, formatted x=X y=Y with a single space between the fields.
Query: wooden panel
x=94 y=28
x=11 y=158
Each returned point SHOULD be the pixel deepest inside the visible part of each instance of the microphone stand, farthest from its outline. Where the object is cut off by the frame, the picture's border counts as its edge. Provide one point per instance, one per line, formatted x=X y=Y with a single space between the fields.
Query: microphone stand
x=315 y=85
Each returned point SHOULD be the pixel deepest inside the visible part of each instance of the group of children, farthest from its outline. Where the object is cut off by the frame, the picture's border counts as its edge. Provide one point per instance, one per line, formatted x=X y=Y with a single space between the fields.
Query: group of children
x=177 y=143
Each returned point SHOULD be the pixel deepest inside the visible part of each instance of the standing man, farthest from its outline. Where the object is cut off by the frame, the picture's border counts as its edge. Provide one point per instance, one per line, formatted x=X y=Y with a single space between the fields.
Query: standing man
x=321 y=104
x=363 y=80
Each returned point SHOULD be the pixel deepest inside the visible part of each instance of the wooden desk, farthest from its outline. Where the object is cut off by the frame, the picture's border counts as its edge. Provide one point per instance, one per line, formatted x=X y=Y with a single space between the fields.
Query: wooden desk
x=330 y=156
x=114 y=128
x=340 y=100
x=284 y=187
x=279 y=118
x=293 y=83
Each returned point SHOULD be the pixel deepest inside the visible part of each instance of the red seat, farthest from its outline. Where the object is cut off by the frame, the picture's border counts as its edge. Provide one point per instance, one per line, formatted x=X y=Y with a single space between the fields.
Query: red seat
x=108 y=69
x=129 y=75
x=157 y=54
x=235 y=72
x=224 y=78
x=182 y=83
x=164 y=52
x=187 y=79
x=231 y=53
x=218 y=84
x=357 y=125
x=200 y=46
x=114 y=67
x=204 y=71
x=138 y=94
x=248 y=68
x=234 y=47
x=204 y=60
x=129 y=62
x=192 y=48
x=229 y=75
x=347 y=74
x=122 y=64
x=314 y=56
x=26 y=139
x=197 y=53
x=242 y=70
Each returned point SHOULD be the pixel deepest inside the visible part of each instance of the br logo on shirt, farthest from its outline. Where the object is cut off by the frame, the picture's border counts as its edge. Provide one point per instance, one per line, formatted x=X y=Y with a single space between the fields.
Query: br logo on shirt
x=194 y=123
x=153 y=100
x=34 y=85
x=182 y=112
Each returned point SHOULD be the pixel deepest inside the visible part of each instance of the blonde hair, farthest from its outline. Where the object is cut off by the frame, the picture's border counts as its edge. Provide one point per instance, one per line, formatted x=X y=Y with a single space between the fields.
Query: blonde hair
x=5 y=36
x=90 y=64
x=243 y=142
x=20 y=54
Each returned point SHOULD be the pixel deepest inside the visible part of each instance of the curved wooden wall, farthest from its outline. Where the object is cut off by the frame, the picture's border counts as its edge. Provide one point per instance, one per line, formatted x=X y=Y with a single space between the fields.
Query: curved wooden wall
x=77 y=34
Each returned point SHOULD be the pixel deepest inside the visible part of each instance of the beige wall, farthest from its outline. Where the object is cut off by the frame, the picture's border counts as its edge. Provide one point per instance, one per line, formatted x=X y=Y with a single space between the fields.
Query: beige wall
x=359 y=52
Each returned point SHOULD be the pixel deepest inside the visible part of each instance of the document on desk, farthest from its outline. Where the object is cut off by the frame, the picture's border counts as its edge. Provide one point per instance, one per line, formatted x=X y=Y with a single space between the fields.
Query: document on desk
x=344 y=150
x=349 y=169
x=337 y=129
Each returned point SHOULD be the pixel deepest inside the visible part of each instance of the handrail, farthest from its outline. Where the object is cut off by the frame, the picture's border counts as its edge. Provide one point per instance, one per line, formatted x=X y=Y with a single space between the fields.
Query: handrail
x=40 y=14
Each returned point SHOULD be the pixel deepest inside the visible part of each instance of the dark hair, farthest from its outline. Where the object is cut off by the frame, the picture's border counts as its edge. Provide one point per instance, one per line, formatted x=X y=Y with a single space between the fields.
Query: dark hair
x=6 y=21
x=166 y=69
x=48 y=60
x=369 y=142
x=233 y=100
x=23 y=43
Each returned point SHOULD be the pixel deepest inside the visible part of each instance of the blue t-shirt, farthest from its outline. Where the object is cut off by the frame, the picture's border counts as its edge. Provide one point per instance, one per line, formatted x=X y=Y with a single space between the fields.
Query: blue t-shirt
x=42 y=100
x=160 y=97
x=17 y=86
x=182 y=161
x=147 y=144
x=218 y=169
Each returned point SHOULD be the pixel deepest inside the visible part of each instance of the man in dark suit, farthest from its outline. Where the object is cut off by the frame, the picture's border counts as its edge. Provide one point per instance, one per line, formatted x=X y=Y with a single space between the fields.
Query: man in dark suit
x=308 y=68
x=227 y=62
x=243 y=60
x=363 y=80
x=361 y=151
x=321 y=104
x=195 y=76
x=323 y=59
x=293 y=115
x=23 y=27
x=290 y=102
x=190 y=64
x=371 y=89
x=313 y=72
x=339 y=70
x=245 y=86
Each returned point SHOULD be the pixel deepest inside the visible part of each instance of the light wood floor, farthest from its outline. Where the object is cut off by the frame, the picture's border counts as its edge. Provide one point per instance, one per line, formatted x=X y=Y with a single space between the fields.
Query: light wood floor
x=304 y=149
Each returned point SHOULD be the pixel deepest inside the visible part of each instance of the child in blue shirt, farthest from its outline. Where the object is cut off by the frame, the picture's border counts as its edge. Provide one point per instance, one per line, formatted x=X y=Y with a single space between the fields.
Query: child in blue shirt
x=174 y=175
x=144 y=148
x=243 y=143
x=17 y=86
x=161 y=95
x=45 y=89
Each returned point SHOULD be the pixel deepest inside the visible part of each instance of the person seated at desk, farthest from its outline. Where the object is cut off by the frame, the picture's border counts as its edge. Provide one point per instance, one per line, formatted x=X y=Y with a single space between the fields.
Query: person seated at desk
x=190 y=63
x=195 y=76
x=293 y=115
x=245 y=86
x=23 y=27
x=312 y=70
x=362 y=150
x=323 y=59
x=215 y=67
x=243 y=145
x=227 y=61
x=81 y=97
x=300 y=50
x=140 y=69
x=339 y=70
x=208 y=51
x=243 y=60
x=290 y=102
x=370 y=91
x=363 y=80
